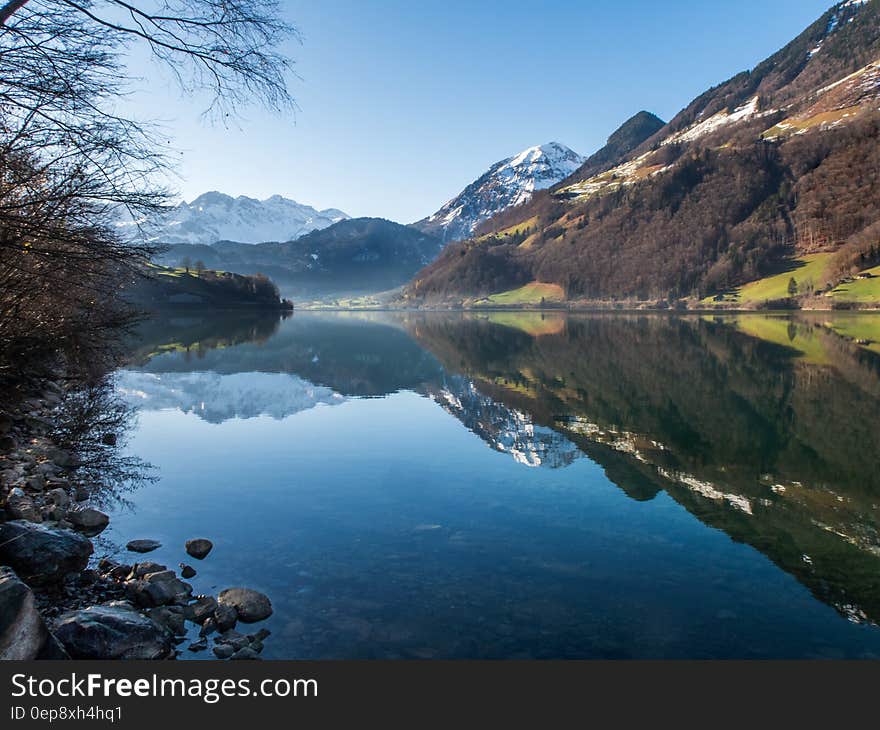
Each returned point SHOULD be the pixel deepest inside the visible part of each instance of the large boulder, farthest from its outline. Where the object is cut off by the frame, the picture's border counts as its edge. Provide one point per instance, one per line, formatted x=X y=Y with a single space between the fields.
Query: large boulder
x=23 y=635
x=114 y=631
x=249 y=605
x=41 y=554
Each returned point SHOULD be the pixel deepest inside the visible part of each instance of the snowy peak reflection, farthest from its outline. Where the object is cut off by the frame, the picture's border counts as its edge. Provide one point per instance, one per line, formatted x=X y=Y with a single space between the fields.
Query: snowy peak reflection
x=217 y=397
x=507 y=430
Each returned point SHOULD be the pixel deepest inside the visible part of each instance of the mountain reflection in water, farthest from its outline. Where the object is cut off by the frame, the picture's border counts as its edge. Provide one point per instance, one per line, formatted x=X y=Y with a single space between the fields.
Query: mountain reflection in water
x=761 y=426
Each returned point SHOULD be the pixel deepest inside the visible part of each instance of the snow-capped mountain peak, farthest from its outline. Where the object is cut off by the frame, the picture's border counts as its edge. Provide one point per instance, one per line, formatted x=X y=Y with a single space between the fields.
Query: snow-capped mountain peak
x=510 y=182
x=215 y=216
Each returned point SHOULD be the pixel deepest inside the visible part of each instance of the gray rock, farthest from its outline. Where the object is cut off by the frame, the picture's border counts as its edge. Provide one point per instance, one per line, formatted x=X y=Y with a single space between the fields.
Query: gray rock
x=48 y=469
x=209 y=627
x=23 y=635
x=187 y=571
x=158 y=589
x=81 y=493
x=19 y=506
x=6 y=423
x=53 y=650
x=143 y=546
x=59 y=497
x=199 y=645
x=120 y=572
x=88 y=520
x=223 y=651
x=245 y=653
x=53 y=512
x=114 y=631
x=232 y=638
x=60 y=457
x=139 y=570
x=201 y=609
x=262 y=635
x=250 y=605
x=41 y=554
x=36 y=483
x=199 y=548
x=171 y=617
x=225 y=617
x=7 y=444
x=38 y=424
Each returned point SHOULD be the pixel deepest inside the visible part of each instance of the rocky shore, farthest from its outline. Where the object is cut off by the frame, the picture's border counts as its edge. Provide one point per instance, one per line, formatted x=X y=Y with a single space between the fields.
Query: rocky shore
x=57 y=600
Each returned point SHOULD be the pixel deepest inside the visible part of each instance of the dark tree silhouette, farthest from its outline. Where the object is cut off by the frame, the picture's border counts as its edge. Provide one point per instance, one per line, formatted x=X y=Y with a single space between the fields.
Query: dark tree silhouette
x=71 y=164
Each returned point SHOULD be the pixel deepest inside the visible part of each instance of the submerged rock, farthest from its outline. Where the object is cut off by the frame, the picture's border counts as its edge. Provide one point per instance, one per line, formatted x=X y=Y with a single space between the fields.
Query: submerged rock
x=115 y=631
x=41 y=554
x=199 y=548
x=23 y=634
x=233 y=639
x=249 y=605
x=143 y=546
x=245 y=653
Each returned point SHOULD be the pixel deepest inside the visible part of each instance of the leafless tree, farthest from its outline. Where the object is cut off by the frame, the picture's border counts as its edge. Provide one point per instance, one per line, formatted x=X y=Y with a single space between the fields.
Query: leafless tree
x=71 y=163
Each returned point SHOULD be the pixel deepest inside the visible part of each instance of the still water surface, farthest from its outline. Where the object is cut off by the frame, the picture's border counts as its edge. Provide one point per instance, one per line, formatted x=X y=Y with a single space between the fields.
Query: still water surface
x=519 y=485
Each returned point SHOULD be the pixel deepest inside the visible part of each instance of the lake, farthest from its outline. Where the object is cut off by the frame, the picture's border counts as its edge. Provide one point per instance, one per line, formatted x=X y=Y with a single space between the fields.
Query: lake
x=516 y=485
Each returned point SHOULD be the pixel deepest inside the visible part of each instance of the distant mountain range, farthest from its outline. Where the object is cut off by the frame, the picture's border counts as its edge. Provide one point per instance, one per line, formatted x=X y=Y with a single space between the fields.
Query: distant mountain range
x=753 y=178
x=216 y=217
x=352 y=256
x=507 y=183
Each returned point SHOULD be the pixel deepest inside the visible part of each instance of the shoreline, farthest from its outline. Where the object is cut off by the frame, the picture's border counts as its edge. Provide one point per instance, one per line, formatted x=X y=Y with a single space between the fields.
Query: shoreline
x=58 y=599
x=591 y=310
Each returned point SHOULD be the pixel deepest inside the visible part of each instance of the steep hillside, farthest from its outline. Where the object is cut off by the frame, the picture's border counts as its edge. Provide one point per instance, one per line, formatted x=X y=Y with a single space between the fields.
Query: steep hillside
x=632 y=133
x=775 y=163
x=507 y=183
x=356 y=255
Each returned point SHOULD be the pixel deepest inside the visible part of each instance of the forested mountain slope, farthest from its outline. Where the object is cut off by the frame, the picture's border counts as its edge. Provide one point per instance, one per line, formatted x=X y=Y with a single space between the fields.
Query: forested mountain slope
x=777 y=162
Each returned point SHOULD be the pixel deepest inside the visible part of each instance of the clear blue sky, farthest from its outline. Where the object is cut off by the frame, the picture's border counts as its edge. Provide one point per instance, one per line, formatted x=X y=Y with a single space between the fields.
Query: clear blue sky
x=403 y=102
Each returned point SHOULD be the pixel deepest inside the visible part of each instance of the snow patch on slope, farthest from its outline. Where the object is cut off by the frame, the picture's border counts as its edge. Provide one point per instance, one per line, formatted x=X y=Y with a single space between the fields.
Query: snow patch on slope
x=834 y=22
x=715 y=122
